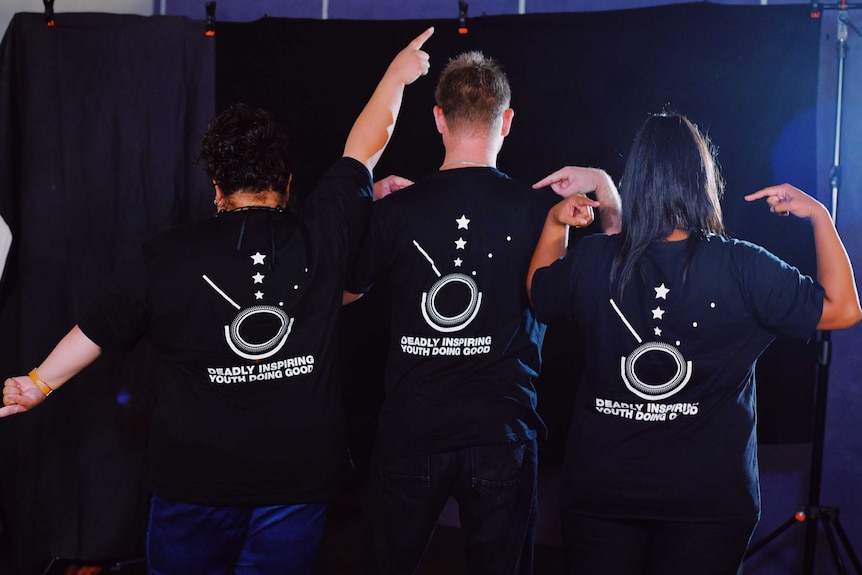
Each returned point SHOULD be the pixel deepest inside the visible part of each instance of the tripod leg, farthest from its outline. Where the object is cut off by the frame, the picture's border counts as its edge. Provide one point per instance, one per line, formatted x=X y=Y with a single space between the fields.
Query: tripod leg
x=766 y=539
x=50 y=565
x=833 y=546
x=854 y=559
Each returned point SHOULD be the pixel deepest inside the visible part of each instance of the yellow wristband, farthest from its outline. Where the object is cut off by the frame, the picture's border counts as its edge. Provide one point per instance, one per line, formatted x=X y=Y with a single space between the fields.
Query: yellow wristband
x=40 y=383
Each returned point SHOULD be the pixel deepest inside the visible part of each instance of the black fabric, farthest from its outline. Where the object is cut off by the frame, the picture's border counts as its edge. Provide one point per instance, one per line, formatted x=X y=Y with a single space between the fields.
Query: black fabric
x=99 y=118
x=242 y=311
x=98 y=106
x=582 y=84
x=664 y=424
x=465 y=344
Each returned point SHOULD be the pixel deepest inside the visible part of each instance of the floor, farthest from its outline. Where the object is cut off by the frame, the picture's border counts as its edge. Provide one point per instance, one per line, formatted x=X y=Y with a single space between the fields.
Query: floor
x=341 y=544
x=445 y=555
x=339 y=551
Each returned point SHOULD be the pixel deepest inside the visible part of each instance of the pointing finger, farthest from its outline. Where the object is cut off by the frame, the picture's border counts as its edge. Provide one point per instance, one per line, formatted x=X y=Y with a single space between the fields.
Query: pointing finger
x=419 y=40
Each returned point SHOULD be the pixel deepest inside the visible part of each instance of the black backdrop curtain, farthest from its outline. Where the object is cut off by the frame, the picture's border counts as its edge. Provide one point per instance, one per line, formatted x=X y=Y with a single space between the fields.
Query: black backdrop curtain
x=99 y=116
x=582 y=84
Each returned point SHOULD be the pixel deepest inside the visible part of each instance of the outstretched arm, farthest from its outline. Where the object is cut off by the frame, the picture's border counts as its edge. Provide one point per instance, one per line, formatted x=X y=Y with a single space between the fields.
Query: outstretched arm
x=74 y=352
x=575 y=210
x=373 y=128
x=577 y=180
x=834 y=272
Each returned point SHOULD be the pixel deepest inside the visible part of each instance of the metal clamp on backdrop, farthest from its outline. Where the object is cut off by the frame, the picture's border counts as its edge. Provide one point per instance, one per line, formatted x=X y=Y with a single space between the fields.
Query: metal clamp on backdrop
x=462 y=17
x=817 y=8
x=210 y=22
x=49 y=12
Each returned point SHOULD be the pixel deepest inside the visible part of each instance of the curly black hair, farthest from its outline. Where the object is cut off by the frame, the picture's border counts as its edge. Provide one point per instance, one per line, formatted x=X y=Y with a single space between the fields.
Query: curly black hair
x=245 y=149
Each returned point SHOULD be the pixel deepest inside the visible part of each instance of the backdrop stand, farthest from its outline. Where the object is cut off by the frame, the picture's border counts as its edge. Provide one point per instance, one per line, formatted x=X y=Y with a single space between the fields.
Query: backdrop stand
x=813 y=513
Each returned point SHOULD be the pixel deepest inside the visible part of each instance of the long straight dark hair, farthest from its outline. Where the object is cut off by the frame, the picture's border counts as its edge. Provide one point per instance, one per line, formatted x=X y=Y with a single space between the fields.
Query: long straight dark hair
x=671 y=180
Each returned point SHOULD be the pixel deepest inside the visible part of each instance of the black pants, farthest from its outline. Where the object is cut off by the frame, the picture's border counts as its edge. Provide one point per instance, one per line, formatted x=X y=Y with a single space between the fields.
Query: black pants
x=608 y=546
x=495 y=488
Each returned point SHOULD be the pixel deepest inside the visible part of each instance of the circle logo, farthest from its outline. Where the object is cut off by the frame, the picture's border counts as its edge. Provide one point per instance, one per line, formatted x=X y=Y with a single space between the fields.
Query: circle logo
x=651 y=391
x=449 y=323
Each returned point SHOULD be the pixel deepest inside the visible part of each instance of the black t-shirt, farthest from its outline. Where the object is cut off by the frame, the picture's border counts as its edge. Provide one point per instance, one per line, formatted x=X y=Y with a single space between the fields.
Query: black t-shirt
x=664 y=421
x=464 y=349
x=242 y=309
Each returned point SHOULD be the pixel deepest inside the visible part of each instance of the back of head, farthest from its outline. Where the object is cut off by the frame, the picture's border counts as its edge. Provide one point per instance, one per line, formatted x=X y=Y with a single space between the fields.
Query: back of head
x=245 y=149
x=473 y=91
x=671 y=181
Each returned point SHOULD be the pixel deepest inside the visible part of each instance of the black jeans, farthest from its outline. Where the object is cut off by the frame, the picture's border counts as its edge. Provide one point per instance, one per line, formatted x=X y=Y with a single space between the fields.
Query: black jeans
x=608 y=546
x=495 y=488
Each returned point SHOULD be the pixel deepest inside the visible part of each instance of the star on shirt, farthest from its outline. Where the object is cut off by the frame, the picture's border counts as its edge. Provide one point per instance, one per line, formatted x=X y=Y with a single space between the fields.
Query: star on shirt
x=460 y=243
x=661 y=292
x=258 y=258
x=458 y=262
x=258 y=295
x=657 y=331
x=258 y=278
x=463 y=222
x=657 y=313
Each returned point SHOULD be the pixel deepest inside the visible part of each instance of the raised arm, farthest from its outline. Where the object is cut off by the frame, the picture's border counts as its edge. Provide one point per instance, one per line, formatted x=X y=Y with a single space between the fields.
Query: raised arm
x=834 y=272
x=74 y=352
x=575 y=210
x=373 y=128
x=577 y=180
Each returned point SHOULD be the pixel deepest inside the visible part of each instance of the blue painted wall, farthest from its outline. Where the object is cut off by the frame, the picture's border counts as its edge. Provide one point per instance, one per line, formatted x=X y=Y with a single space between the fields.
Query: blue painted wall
x=247 y=10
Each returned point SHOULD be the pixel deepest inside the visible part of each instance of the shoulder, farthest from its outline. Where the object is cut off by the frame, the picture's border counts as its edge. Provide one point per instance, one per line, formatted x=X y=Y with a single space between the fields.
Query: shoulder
x=347 y=167
x=347 y=178
x=747 y=261
x=741 y=251
x=598 y=248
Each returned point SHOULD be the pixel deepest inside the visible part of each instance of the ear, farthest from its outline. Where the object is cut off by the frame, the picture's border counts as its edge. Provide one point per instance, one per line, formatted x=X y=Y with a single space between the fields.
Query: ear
x=219 y=195
x=508 y=114
x=440 y=119
x=287 y=189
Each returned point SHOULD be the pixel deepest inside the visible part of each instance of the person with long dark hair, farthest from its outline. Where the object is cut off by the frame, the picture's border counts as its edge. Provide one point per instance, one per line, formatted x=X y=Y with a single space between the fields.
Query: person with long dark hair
x=660 y=473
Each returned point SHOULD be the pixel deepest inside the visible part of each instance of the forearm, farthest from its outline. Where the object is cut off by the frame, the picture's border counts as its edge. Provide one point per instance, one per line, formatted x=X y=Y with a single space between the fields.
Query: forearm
x=71 y=355
x=610 y=211
x=551 y=246
x=373 y=128
x=835 y=273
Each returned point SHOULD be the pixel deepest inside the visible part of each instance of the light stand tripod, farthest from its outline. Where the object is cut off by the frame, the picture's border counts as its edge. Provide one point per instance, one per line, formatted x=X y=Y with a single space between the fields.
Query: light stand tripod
x=813 y=512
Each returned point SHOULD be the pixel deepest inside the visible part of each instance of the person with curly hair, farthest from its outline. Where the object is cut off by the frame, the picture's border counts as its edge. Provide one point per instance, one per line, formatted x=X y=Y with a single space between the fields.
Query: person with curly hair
x=247 y=444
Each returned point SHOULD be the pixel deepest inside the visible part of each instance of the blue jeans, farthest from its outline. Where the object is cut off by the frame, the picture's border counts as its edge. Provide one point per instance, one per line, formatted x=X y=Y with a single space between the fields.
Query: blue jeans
x=653 y=547
x=186 y=539
x=495 y=488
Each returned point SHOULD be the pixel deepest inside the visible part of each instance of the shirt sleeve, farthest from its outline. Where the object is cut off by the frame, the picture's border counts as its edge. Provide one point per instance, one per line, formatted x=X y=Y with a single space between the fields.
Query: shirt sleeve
x=784 y=300
x=371 y=259
x=117 y=317
x=341 y=201
x=551 y=291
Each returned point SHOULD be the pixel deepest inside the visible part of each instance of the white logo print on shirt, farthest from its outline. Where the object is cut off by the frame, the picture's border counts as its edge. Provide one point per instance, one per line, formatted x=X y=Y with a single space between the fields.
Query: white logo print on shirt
x=642 y=389
x=233 y=332
x=433 y=316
